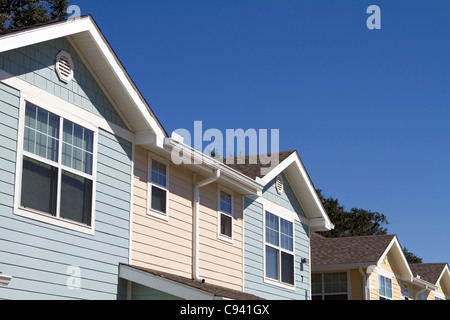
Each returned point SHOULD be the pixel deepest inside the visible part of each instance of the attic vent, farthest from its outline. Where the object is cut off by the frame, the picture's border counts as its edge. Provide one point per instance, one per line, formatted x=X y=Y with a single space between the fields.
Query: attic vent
x=64 y=67
x=279 y=184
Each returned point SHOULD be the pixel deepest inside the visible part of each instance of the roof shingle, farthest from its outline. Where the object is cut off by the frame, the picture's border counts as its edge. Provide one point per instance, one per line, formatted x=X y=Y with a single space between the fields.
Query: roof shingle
x=363 y=249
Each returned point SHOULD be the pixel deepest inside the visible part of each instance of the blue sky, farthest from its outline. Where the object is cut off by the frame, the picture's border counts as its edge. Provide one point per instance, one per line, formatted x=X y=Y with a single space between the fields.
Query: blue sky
x=367 y=110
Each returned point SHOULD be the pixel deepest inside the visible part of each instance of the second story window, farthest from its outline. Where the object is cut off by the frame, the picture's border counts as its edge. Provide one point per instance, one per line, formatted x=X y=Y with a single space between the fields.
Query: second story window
x=384 y=288
x=225 y=215
x=158 y=188
x=279 y=249
x=57 y=167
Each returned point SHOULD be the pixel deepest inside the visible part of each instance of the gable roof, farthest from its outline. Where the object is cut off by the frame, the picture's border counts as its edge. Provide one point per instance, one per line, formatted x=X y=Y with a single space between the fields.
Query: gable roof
x=292 y=166
x=354 y=252
x=254 y=170
x=100 y=58
x=438 y=274
x=430 y=272
x=348 y=250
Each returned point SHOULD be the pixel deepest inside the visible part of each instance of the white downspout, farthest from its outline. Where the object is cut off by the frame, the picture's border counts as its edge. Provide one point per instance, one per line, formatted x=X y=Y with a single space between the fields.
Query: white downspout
x=195 y=213
x=361 y=271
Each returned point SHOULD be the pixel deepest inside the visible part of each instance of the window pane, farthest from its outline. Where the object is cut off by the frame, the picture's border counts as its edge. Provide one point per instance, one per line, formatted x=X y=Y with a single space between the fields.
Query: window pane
x=158 y=173
x=381 y=286
x=389 y=288
x=271 y=263
x=272 y=229
x=225 y=202
x=316 y=281
x=286 y=235
x=226 y=225
x=287 y=268
x=77 y=147
x=39 y=186
x=335 y=282
x=41 y=132
x=76 y=198
x=159 y=199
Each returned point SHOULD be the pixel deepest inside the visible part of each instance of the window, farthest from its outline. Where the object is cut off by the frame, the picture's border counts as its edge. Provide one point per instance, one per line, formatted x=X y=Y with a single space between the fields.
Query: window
x=57 y=167
x=405 y=292
x=329 y=286
x=279 y=249
x=225 y=215
x=384 y=288
x=158 y=190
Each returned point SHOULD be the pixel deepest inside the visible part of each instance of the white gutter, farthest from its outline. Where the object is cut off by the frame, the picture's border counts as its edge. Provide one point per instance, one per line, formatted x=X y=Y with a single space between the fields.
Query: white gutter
x=198 y=158
x=195 y=213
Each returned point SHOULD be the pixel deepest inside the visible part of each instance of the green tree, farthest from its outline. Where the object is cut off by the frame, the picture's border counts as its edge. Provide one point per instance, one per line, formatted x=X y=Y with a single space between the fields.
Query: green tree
x=411 y=257
x=22 y=13
x=356 y=222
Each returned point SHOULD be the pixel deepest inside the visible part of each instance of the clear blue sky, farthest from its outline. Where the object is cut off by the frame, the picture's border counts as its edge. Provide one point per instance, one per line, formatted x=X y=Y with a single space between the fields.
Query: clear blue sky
x=367 y=110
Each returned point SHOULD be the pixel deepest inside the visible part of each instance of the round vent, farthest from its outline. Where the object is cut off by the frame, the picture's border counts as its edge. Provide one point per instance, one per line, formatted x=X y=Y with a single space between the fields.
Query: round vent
x=64 y=67
x=279 y=184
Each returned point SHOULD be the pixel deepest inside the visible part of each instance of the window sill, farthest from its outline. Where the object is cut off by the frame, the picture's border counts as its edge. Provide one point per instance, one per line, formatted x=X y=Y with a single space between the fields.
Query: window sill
x=158 y=214
x=49 y=219
x=279 y=284
x=225 y=239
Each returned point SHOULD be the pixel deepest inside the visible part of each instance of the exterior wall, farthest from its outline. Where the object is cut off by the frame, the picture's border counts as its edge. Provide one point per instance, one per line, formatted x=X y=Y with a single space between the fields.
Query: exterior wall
x=356 y=285
x=166 y=245
x=41 y=256
x=254 y=247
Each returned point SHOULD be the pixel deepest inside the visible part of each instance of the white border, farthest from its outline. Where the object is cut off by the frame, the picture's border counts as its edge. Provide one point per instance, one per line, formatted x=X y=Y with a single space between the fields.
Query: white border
x=61 y=111
x=267 y=280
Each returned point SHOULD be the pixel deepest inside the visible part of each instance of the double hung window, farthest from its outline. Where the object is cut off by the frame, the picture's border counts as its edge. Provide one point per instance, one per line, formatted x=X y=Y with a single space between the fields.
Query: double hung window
x=225 y=215
x=57 y=167
x=279 y=249
x=384 y=288
x=158 y=188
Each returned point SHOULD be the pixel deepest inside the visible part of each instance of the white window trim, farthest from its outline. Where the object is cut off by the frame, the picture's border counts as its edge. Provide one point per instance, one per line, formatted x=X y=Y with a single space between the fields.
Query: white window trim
x=219 y=214
x=268 y=280
x=382 y=274
x=59 y=110
x=150 y=211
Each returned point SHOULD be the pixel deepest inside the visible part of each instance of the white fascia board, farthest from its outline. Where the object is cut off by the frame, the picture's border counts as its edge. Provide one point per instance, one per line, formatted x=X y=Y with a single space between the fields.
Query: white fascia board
x=39 y=34
x=161 y=284
x=125 y=80
x=397 y=251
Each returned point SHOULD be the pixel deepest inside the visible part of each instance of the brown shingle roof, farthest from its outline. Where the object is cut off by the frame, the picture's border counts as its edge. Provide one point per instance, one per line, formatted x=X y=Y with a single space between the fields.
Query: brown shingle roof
x=216 y=290
x=364 y=249
x=428 y=271
x=254 y=170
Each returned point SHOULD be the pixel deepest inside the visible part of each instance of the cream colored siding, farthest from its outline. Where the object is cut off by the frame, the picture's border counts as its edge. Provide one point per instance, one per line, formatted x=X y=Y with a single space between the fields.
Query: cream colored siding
x=166 y=244
x=356 y=285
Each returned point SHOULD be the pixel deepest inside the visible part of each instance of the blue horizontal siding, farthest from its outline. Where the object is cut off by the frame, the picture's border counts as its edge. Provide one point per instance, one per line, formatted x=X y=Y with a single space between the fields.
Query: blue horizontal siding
x=37 y=254
x=254 y=248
